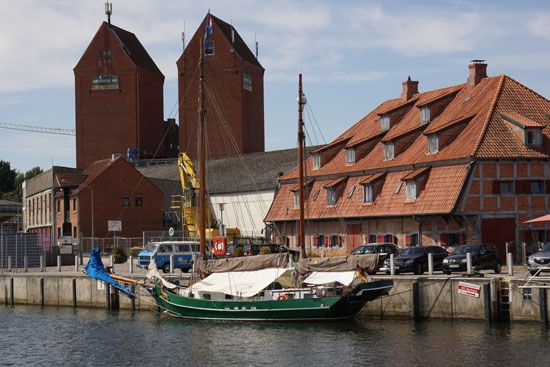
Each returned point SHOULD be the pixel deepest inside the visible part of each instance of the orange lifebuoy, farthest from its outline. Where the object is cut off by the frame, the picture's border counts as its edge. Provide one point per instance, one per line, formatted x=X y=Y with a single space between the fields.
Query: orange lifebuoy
x=282 y=297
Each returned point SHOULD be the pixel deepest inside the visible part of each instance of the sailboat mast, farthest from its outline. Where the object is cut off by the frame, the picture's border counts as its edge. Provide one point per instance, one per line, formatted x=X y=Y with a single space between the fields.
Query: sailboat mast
x=301 y=139
x=202 y=156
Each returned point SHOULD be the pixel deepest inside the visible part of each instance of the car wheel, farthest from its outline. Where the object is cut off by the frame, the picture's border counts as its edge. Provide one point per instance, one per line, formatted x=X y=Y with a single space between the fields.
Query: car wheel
x=418 y=269
x=166 y=268
x=498 y=268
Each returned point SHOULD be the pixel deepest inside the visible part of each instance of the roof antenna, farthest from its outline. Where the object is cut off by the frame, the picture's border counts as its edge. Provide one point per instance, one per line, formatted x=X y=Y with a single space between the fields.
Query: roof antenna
x=108 y=11
x=256 y=42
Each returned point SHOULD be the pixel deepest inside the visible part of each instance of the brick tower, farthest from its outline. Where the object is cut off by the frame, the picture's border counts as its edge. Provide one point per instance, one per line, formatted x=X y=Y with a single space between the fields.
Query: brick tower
x=235 y=93
x=119 y=98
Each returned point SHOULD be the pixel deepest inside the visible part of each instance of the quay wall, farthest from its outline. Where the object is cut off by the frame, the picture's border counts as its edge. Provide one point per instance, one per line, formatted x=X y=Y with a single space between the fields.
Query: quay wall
x=422 y=297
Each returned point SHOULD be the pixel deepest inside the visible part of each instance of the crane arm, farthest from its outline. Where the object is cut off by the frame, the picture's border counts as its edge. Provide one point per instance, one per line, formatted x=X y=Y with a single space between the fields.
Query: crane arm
x=37 y=129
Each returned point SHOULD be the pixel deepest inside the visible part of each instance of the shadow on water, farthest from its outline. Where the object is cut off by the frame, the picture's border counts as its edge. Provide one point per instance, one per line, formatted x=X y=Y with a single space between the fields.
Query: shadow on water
x=97 y=337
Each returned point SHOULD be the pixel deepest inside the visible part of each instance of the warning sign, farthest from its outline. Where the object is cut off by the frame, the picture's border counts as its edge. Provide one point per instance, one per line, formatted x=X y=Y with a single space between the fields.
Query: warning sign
x=469 y=289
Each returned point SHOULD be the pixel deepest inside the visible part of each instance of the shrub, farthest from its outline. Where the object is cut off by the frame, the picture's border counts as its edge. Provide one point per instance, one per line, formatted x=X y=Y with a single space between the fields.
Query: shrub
x=120 y=255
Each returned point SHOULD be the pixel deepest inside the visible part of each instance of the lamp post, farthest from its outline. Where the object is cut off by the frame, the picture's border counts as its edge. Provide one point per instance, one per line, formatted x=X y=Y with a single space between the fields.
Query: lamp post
x=222 y=227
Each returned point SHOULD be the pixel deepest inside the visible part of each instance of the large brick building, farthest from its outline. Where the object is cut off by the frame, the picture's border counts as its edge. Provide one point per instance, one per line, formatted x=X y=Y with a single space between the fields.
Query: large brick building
x=119 y=98
x=463 y=164
x=234 y=90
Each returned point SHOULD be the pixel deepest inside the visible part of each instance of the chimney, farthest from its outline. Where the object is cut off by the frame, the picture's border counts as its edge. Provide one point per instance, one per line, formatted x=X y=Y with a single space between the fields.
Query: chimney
x=478 y=71
x=410 y=88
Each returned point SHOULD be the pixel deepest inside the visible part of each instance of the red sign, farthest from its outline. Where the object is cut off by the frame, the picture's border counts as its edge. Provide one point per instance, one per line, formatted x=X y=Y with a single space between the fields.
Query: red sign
x=220 y=246
x=469 y=289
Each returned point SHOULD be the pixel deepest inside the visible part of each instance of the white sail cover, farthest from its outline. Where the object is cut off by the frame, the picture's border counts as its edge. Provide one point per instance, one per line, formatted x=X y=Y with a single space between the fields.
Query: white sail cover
x=238 y=283
x=325 y=277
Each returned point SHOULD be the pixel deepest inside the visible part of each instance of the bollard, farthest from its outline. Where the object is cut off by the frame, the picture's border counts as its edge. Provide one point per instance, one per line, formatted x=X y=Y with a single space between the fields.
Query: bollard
x=524 y=253
x=25 y=263
x=41 y=263
x=469 y=263
x=131 y=265
x=111 y=261
x=74 y=290
x=392 y=265
x=509 y=264
x=172 y=264
x=76 y=264
x=12 y=292
x=430 y=264
x=9 y=263
x=59 y=263
x=42 y=292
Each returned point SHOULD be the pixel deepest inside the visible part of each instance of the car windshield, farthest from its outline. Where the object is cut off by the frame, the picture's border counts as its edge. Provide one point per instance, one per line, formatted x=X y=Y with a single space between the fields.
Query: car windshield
x=546 y=247
x=463 y=250
x=367 y=250
x=412 y=251
x=150 y=247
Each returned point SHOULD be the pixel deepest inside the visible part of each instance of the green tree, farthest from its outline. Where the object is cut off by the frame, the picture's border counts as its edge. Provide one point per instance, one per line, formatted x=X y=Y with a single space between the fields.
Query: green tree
x=16 y=193
x=7 y=178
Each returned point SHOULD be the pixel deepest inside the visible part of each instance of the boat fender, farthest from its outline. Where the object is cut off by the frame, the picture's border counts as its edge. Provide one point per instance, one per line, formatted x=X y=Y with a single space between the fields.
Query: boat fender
x=282 y=297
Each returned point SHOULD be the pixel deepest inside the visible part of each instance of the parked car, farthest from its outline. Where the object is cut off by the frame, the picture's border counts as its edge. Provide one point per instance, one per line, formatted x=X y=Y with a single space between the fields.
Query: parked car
x=415 y=259
x=182 y=252
x=484 y=257
x=539 y=261
x=384 y=250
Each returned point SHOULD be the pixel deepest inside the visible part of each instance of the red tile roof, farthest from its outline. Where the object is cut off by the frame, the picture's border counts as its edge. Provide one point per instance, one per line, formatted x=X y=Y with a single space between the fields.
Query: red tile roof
x=372 y=178
x=414 y=174
x=520 y=120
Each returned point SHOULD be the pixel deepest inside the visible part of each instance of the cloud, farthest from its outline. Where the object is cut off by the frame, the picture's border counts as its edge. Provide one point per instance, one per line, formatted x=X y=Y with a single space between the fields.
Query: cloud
x=540 y=25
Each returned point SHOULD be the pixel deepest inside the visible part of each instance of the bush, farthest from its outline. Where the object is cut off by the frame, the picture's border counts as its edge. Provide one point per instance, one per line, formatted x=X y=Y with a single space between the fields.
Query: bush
x=265 y=250
x=120 y=255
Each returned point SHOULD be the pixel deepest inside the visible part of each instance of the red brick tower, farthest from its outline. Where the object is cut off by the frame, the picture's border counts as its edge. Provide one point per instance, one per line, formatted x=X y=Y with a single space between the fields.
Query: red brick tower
x=119 y=98
x=235 y=94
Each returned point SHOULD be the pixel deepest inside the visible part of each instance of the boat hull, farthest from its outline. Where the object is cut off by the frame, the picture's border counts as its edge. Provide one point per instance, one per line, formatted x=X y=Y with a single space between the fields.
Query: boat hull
x=308 y=309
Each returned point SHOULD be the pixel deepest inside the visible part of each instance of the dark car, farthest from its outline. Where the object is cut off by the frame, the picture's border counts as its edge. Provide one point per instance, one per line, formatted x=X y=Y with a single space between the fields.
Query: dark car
x=484 y=257
x=384 y=250
x=415 y=259
x=539 y=261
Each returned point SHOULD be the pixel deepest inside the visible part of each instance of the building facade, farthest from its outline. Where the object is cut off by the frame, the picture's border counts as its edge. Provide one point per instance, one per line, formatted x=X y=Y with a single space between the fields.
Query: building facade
x=119 y=93
x=234 y=95
x=463 y=164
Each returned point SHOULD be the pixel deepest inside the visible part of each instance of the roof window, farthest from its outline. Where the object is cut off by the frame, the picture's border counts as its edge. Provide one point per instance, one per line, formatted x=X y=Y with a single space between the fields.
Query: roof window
x=316 y=161
x=350 y=156
x=533 y=137
x=389 y=151
x=425 y=115
x=433 y=143
x=385 y=123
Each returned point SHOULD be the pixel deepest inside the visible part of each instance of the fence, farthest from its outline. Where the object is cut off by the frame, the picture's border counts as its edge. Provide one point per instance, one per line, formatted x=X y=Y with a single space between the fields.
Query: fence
x=128 y=244
x=19 y=250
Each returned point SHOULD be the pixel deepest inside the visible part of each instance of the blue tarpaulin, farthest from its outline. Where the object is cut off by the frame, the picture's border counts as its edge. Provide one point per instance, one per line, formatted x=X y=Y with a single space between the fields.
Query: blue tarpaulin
x=96 y=270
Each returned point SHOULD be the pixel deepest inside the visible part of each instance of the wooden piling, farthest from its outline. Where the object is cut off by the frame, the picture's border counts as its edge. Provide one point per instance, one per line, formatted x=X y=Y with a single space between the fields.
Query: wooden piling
x=543 y=306
x=74 y=292
x=42 y=302
x=416 y=300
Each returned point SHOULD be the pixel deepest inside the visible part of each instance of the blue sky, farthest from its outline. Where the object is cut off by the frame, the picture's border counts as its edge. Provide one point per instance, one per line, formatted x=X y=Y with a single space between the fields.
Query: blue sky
x=353 y=55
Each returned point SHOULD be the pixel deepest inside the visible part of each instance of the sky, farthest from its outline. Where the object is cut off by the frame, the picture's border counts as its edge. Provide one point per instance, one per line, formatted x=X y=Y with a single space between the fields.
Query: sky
x=353 y=55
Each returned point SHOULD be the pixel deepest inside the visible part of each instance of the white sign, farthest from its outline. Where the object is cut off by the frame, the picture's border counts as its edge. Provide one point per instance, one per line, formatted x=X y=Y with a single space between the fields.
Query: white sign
x=469 y=289
x=171 y=231
x=66 y=249
x=100 y=286
x=114 y=225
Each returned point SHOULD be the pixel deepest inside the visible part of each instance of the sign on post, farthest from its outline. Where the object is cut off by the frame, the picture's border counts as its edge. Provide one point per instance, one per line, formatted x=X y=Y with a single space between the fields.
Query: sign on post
x=469 y=289
x=114 y=225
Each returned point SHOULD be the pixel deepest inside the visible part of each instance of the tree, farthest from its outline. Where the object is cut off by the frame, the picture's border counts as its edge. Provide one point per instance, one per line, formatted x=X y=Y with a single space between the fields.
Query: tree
x=7 y=177
x=16 y=193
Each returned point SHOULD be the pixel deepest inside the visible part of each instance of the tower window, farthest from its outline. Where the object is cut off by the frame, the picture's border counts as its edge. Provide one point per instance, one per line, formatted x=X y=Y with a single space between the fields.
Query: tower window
x=209 y=47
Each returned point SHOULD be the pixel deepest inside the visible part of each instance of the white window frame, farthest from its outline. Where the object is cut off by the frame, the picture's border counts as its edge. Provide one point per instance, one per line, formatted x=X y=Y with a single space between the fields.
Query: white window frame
x=296 y=199
x=350 y=156
x=389 y=151
x=385 y=123
x=316 y=161
x=425 y=115
x=433 y=143
x=368 y=194
x=411 y=190
x=536 y=135
x=331 y=196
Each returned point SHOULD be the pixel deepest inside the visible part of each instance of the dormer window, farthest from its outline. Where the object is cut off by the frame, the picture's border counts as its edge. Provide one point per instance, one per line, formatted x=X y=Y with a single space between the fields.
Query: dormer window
x=296 y=200
x=316 y=161
x=331 y=196
x=533 y=137
x=433 y=143
x=389 y=151
x=411 y=190
x=368 y=197
x=350 y=156
x=425 y=115
x=385 y=123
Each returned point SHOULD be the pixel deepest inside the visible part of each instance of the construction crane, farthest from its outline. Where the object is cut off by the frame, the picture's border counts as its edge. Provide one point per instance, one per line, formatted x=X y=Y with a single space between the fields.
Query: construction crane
x=37 y=129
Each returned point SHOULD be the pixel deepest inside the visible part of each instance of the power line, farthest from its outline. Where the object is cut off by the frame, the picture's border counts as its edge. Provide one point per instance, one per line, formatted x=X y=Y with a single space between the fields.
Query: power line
x=37 y=129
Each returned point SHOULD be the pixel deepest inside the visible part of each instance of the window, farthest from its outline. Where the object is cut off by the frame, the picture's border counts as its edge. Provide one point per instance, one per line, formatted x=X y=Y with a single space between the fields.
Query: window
x=58 y=232
x=414 y=239
x=321 y=239
x=372 y=238
x=334 y=240
x=125 y=201
x=350 y=156
x=247 y=82
x=209 y=47
x=385 y=123
x=527 y=293
x=75 y=233
x=331 y=196
x=424 y=115
x=138 y=201
x=104 y=82
x=533 y=137
x=74 y=204
x=58 y=206
x=506 y=187
x=537 y=187
x=296 y=200
x=368 y=194
x=316 y=161
x=389 y=152
x=411 y=189
x=388 y=238
x=165 y=248
x=433 y=143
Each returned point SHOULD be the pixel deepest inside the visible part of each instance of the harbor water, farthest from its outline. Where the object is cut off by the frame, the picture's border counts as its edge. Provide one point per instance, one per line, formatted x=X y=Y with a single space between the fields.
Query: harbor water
x=34 y=336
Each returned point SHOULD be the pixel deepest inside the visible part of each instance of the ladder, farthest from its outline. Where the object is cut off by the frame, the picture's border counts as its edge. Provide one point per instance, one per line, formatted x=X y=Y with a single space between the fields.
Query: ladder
x=505 y=299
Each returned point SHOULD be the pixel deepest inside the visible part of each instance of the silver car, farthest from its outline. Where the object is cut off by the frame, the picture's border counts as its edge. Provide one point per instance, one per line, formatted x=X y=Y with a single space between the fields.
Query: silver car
x=539 y=261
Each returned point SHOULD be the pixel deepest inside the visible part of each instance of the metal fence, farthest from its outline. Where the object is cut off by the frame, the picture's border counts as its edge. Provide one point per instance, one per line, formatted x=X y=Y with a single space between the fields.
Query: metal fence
x=20 y=250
